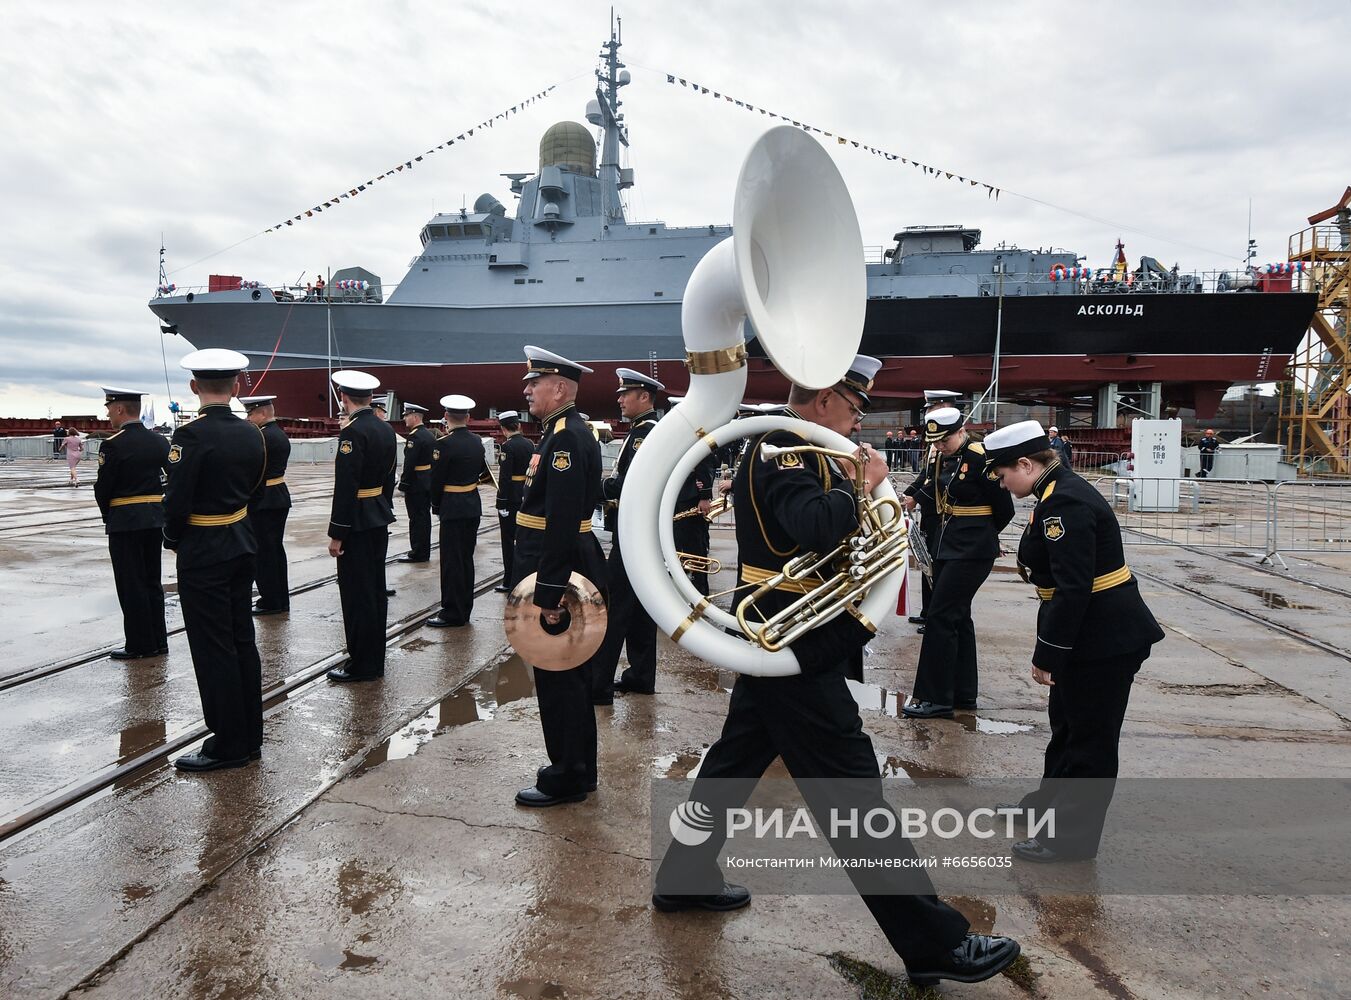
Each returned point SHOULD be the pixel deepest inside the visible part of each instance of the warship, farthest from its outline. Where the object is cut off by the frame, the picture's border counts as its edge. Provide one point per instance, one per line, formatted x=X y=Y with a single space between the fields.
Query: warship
x=569 y=270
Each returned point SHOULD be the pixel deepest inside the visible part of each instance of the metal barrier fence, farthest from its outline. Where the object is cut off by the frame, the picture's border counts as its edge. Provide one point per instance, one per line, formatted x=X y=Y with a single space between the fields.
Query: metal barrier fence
x=1247 y=514
x=14 y=448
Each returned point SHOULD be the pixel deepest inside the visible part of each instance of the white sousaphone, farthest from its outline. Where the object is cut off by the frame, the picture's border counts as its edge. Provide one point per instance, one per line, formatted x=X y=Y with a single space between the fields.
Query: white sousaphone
x=794 y=267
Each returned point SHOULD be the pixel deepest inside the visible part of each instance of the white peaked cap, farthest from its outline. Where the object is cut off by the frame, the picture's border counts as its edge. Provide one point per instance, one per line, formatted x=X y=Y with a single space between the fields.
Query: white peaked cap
x=457 y=403
x=214 y=362
x=358 y=383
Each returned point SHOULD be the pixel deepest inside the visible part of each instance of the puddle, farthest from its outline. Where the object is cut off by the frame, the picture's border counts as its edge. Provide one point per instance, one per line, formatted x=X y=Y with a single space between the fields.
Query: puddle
x=899 y=767
x=534 y=989
x=1271 y=599
x=351 y=960
x=875 y=698
x=990 y=727
x=477 y=700
x=683 y=764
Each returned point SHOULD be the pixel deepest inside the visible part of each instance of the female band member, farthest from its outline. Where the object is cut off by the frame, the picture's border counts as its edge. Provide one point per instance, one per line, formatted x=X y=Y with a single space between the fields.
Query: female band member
x=972 y=511
x=1093 y=632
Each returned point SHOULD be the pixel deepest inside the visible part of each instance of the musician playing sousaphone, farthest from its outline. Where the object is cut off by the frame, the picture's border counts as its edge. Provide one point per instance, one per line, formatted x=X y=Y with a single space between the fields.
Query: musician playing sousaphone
x=554 y=541
x=789 y=503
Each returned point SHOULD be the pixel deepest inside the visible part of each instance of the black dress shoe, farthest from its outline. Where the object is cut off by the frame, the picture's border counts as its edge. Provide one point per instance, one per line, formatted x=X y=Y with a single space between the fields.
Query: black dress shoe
x=258 y=609
x=256 y=754
x=975 y=960
x=534 y=797
x=389 y=591
x=732 y=897
x=344 y=676
x=965 y=706
x=539 y=771
x=410 y=559
x=926 y=710
x=162 y=650
x=626 y=687
x=1033 y=849
x=920 y=630
x=126 y=654
x=502 y=588
x=916 y=619
x=439 y=622
x=205 y=762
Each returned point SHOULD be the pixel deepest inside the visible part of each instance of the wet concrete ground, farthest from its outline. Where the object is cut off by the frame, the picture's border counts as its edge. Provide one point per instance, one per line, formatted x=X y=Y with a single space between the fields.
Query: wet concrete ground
x=375 y=851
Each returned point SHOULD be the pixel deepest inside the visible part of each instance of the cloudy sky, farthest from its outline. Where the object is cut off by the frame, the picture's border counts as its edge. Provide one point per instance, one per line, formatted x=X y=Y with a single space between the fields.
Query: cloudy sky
x=207 y=123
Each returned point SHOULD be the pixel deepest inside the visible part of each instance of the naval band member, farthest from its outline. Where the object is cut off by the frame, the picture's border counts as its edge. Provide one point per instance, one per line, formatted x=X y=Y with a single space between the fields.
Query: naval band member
x=972 y=513
x=629 y=626
x=216 y=464
x=269 y=509
x=792 y=503
x=516 y=452
x=415 y=483
x=921 y=492
x=132 y=467
x=358 y=528
x=553 y=540
x=1093 y=633
x=458 y=468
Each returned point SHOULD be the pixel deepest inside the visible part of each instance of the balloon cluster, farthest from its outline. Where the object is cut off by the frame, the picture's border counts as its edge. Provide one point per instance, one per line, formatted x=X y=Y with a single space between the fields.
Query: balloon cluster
x=248 y=284
x=1062 y=273
x=351 y=284
x=1293 y=267
x=166 y=289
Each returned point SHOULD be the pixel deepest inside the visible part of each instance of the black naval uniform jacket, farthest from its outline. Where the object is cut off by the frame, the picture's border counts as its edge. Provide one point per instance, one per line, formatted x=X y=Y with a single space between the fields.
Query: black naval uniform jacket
x=516 y=452
x=924 y=490
x=699 y=485
x=1091 y=608
x=458 y=467
x=974 y=508
x=416 y=477
x=553 y=526
x=132 y=468
x=216 y=464
x=787 y=506
x=274 y=494
x=612 y=486
x=363 y=481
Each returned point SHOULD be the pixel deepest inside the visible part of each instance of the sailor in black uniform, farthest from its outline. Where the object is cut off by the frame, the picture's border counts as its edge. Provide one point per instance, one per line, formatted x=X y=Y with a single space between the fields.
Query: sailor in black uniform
x=358 y=528
x=380 y=404
x=554 y=540
x=459 y=467
x=690 y=532
x=921 y=494
x=269 y=508
x=216 y=464
x=790 y=504
x=132 y=467
x=972 y=513
x=1093 y=633
x=629 y=625
x=516 y=452
x=1207 y=446
x=415 y=483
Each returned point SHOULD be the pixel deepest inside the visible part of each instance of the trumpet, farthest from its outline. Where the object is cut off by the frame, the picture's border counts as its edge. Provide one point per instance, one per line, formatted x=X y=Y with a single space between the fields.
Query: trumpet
x=716 y=509
x=878 y=548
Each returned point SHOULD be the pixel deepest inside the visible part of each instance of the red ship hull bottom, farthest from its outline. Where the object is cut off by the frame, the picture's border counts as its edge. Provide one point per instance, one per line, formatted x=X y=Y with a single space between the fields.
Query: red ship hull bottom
x=1191 y=380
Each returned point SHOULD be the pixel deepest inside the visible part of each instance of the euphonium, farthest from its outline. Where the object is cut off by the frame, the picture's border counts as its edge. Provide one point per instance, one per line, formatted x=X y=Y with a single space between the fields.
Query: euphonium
x=794 y=268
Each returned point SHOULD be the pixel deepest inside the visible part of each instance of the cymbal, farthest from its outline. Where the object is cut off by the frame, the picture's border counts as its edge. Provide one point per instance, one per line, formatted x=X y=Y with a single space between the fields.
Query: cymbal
x=585 y=617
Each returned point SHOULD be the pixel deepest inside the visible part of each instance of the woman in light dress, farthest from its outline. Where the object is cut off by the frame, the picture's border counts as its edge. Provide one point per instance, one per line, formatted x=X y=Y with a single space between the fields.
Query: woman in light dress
x=74 y=445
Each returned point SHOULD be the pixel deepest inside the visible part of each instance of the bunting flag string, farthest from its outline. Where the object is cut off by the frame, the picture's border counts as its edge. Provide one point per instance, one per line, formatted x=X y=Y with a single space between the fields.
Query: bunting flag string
x=399 y=168
x=991 y=190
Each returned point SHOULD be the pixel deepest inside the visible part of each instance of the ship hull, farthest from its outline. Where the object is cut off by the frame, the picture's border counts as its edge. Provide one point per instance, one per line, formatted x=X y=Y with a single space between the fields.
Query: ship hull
x=1050 y=346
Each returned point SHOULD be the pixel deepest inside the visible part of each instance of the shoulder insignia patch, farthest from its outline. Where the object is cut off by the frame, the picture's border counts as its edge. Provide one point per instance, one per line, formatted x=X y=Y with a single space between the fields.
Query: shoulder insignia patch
x=408 y=445
x=436 y=454
x=1053 y=528
x=175 y=452
x=345 y=447
x=790 y=461
x=101 y=457
x=637 y=443
x=562 y=461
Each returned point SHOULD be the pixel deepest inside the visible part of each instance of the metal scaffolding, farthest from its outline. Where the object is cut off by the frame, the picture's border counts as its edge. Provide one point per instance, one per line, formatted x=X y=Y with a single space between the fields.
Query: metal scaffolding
x=1315 y=415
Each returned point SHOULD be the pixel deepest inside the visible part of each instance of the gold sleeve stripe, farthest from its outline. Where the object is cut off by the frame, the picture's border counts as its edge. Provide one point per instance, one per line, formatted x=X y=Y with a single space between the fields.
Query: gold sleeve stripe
x=143 y=498
x=370 y=492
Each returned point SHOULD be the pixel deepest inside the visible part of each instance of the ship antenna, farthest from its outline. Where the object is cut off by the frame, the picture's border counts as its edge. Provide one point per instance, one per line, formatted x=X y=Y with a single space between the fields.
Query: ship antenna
x=164 y=359
x=609 y=80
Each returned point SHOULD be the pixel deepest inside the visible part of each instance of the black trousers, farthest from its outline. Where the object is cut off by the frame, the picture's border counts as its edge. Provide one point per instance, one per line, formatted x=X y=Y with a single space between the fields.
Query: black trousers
x=215 y=601
x=926 y=587
x=506 y=524
x=365 y=606
x=1207 y=464
x=569 y=724
x=1088 y=706
x=418 y=504
x=628 y=626
x=270 y=573
x=947 y=673
x=812 y=722
x=136 y=574
x=691 y=537
x=458 y=538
